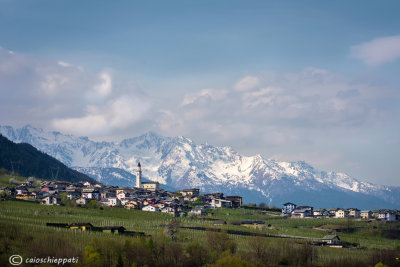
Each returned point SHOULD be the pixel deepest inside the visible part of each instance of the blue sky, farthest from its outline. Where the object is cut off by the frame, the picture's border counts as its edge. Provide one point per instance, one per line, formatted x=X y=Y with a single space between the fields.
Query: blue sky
x=291 y=80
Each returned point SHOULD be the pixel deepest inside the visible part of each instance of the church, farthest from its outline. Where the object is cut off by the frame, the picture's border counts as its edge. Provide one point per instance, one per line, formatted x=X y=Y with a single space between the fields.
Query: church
x=152 y=186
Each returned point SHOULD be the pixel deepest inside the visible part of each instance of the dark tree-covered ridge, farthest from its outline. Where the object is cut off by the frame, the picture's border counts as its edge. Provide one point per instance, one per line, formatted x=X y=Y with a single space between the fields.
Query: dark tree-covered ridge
x=28 y=161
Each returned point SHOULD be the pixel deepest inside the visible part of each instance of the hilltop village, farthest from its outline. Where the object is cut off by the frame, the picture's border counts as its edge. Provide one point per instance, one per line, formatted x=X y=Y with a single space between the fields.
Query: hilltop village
x=148 y=196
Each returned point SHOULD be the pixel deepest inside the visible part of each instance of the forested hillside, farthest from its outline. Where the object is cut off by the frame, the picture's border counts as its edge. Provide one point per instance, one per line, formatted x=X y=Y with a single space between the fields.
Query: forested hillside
x=26 y=160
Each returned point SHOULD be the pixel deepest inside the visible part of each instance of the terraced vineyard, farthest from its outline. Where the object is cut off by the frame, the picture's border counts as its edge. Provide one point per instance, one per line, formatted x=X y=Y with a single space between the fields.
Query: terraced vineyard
x=23 y=231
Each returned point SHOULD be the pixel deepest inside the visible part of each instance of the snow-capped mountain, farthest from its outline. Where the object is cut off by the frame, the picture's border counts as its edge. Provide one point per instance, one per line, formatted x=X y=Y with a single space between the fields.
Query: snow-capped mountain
x=177 y=162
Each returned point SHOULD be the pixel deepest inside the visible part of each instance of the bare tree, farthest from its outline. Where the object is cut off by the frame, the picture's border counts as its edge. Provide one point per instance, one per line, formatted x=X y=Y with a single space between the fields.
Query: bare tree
x=171 y=229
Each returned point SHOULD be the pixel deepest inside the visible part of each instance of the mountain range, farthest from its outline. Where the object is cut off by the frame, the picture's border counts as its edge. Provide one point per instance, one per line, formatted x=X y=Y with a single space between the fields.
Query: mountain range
x=177 y=163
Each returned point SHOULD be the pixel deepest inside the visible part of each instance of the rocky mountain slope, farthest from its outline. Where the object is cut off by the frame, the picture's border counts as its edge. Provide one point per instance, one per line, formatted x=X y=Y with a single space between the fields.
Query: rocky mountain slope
x=178 y=162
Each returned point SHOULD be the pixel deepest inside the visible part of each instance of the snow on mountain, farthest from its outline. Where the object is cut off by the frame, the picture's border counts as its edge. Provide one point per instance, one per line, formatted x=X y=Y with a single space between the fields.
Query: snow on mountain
x=178 y=162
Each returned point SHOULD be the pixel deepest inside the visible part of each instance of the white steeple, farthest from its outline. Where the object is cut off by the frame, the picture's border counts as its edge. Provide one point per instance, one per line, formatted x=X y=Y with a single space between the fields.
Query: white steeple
x=139 y=176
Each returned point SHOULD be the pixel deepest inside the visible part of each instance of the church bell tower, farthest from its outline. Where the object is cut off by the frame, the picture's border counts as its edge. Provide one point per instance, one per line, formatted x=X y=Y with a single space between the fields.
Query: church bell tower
x=139 y=176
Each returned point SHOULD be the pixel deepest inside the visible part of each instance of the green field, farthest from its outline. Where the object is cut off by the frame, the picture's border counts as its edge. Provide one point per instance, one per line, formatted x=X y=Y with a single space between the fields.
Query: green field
x=23 y=231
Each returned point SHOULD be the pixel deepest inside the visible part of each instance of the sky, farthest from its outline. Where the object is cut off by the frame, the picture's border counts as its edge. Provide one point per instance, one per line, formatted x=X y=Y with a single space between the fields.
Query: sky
x=317 y=81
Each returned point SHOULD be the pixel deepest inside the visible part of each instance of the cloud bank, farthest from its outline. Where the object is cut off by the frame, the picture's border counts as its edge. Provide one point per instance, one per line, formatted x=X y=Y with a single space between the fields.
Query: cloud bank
x=65 y=97
x=378 y=51
x=313 y=115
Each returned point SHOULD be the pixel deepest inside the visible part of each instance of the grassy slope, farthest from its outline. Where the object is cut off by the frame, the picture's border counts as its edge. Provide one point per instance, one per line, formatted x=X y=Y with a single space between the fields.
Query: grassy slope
x=5 y=180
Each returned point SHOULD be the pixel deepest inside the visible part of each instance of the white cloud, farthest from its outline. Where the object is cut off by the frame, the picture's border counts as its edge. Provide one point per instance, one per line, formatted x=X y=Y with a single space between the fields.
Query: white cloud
x=104 y=88
x=247 y=83
x=115 y=114
x=290 y=112
x=59 y=95
x=53 y=82
x=87 y=125
x=205 y=93
x=64 y=64
x=126 y=110
x=378 y=51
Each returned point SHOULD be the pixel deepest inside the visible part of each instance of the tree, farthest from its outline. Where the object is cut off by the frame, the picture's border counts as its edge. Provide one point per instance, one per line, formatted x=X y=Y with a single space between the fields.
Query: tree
x=120 y=262
x=262 y=205
x=259 y=248
x=198 y=255
x=231 y=261
x=66 y=201
x=198 y=202
x=174 y=255
x=92 y=257
x=172 y=229
x=92 y=204
x=220 y=242
x=3 y=171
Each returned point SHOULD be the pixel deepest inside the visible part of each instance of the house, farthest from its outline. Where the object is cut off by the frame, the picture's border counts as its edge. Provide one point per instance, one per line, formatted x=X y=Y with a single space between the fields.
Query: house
x=354 y=213
x=216 y=195
x=170 y=210
x=61 y=185
x=126 y=200
x=366 y=214
x=51 y=200
x=332 y=212
x=387 y=216
x=124 y=194
x=150 y=208
x=331 y=240
x=124 y=189
x=141 y=192
x=288 y=208
x=21 y=190
x=303 y=212
x=87 y=184
x=91 y=194
x=133 y=204
x=26 y=196
x=190 y=192
x=236 y=201
x=113 y=229
x=81 y=226
x=82 y=201
x=112 y=201
x=159 y=205
x=73 y=194
x=9 y=191
x=107 y=194
x=27 y=184
x=199 y=210
x=151 y=186
x=321 y=213
x=341 y=213
x=219 y=203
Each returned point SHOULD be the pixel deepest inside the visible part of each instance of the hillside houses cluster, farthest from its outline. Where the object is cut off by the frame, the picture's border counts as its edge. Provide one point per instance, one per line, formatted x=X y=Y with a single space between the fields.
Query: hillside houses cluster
x=152 y=199
x=292 y=210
